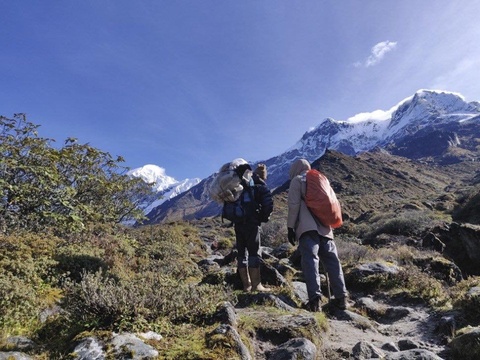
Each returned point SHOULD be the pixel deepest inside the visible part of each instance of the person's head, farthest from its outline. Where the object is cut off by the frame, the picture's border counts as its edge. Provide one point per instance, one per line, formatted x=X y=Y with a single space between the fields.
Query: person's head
x=261 y=171
x=298 y=167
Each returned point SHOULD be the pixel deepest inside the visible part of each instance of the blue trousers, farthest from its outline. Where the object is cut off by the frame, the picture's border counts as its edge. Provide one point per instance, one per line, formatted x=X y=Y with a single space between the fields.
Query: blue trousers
x=313 y=249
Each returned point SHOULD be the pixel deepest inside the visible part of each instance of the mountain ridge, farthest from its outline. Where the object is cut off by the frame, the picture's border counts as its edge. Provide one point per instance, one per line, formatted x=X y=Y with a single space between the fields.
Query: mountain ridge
x=441 y=119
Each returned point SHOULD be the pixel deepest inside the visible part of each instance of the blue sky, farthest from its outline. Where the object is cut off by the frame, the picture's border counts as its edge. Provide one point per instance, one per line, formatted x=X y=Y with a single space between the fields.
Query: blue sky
x=190 y=85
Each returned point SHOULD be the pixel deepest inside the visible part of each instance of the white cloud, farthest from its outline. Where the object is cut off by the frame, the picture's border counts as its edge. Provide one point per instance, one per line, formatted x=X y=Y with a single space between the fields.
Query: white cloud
x=378 y=53
x=377 y=115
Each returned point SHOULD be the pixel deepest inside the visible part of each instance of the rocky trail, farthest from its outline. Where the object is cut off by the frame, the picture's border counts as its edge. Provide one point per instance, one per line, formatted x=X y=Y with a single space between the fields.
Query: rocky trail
x=368 y=329
x=385 y=331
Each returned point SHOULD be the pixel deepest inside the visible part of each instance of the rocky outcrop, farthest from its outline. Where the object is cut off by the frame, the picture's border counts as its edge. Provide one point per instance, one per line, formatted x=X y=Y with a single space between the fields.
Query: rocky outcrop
x=466 y=345
x=462 y=244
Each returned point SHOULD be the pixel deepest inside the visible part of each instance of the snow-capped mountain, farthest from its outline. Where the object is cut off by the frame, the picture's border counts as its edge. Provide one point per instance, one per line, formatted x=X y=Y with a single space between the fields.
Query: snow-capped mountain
x=429 y=123
x=165 y=187
x=365 y=131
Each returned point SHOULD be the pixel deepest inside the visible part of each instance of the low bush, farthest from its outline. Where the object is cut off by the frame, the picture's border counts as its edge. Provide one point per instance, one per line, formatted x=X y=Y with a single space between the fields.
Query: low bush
x=466 y=297
x=407 y=223
x=26 y=278
x=158 y=280
x=101 y=302
x=274 y=233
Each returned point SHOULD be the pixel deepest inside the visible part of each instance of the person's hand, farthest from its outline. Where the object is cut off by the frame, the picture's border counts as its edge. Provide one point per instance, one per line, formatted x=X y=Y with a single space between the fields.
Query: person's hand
x=291 y=236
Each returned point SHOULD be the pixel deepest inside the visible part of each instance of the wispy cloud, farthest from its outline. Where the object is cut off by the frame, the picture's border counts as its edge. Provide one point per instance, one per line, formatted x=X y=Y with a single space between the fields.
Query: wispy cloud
x=462 y=75
x=377 y=54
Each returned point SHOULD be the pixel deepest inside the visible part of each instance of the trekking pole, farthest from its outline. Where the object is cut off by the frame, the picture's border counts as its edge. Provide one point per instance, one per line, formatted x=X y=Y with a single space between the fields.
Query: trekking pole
x=328 y=283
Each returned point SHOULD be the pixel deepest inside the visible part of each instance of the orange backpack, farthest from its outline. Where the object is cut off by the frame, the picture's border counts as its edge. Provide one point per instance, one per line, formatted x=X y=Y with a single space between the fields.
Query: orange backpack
x=321 y=199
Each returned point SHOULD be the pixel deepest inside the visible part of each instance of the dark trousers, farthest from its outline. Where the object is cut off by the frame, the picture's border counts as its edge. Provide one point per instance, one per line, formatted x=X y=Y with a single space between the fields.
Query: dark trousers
x=248 y=244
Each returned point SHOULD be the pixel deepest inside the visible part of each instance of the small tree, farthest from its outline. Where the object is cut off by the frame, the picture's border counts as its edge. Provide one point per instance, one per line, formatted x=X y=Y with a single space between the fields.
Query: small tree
x=65 y=189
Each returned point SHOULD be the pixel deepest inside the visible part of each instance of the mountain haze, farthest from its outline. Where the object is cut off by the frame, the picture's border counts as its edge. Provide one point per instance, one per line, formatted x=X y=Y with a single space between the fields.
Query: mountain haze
x=433 y=126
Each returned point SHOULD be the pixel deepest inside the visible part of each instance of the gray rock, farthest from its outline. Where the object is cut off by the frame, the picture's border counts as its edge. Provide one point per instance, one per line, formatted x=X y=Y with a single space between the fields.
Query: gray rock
x=390 y=347
x=282 y=251
x=208 y=265
x=271 y=276
x=225 y=314
x=463 y=245
x=382 y=313
x=135 y=347
x=431 y=241
x=229 y=331
x=300 y=290
x=249 y=299
x=359 y=321
x=415 y=354
x=365 y=350
x=474 y=292
x=284 y=267
x=395 y=313
x=89 y=348
x=293 y=349
x=373 y=268
x=371 y=306
x=407 y=344
x=150 y=335
x=49 y=312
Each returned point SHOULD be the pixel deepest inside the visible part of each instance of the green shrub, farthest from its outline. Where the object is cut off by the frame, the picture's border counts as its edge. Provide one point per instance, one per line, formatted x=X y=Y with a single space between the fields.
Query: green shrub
x=168 y=251
x=66 y=189
x=351 y=252
x=406 y=223
x=75 y=259
x=467 y=300
x=274 y=233
x=423 y=286
x=101 y=302
x=25 y=280
x=224 y=243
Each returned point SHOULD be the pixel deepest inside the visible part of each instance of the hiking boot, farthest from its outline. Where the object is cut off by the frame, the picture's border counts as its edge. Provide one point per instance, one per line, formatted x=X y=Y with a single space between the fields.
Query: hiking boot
x=314 y=305
x=247 y=285
x=340 y=303
x=256 y=280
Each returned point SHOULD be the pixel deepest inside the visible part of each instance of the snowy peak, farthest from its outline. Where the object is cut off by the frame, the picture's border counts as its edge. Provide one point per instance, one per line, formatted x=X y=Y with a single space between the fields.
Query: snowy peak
x=164 y=187
x=170 y=193
x=365 y=131
x=427 y=107
x=433 y=124
x=153 y=174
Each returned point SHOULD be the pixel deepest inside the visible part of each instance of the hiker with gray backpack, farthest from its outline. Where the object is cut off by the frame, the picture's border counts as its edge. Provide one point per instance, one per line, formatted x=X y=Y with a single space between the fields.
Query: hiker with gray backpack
x=313 y=210
x=247 y=202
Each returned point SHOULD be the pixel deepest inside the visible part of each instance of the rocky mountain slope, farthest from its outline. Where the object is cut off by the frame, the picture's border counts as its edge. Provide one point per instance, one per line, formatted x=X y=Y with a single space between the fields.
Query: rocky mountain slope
x=403 y=237
x=410 y=248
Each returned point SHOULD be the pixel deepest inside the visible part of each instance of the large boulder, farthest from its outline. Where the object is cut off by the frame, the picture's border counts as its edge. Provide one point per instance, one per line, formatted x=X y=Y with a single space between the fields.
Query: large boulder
x=466 y=346
x=462 y=244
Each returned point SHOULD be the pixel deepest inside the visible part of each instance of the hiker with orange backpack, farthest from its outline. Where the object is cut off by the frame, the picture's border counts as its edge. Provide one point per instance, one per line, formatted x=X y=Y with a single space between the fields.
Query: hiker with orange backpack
x=315 y=240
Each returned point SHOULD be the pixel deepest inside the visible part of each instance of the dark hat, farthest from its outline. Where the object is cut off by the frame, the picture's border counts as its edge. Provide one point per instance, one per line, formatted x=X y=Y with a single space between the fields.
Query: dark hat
x=240 y=169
